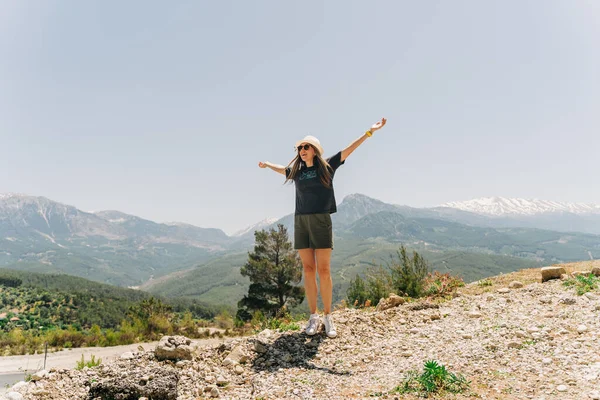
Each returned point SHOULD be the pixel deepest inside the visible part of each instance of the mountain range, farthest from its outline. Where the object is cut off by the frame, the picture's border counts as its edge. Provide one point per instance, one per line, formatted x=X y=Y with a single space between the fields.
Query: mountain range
x=501 y=206
x=38 y=234
x=108 y=246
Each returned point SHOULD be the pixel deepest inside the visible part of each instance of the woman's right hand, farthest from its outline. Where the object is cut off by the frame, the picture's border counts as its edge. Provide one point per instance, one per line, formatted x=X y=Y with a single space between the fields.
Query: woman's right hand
x=277 y=168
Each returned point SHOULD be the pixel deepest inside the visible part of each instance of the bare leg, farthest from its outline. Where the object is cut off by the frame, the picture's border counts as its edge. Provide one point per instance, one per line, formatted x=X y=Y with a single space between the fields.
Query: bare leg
x=310 y=277
x=324 y=269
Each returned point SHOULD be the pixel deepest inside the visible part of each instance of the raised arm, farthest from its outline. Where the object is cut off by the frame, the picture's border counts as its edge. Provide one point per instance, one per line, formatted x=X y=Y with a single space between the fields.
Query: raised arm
x=274 y=167
x=348 y=150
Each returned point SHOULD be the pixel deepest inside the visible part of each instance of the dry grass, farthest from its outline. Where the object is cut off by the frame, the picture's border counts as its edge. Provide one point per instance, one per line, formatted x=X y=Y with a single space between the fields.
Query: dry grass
x=525 y=276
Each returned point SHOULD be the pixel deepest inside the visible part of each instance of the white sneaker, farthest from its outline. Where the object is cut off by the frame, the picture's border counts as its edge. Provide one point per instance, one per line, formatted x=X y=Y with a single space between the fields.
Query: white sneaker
x=329 y=326
x=313 y=324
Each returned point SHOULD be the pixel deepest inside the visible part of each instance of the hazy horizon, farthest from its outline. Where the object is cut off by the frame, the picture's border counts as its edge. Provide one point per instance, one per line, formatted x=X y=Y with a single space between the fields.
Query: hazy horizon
x=164 y=110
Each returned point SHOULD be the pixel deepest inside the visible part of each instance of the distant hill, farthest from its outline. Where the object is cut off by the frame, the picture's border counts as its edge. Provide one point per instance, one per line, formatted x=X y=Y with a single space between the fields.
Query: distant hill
x=58 y=300
x=50 y=300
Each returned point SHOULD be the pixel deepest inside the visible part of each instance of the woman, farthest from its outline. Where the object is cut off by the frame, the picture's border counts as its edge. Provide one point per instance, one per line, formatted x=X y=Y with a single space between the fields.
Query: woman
x=315 y=202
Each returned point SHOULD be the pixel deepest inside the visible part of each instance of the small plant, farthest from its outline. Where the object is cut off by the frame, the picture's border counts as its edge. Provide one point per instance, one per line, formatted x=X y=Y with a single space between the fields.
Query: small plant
x=435 y=378
x=583 y=283
x=282 y=321
x=281 y=324
x=485 y=282
x=439 y=285
x=92 y=363
x=289 y=326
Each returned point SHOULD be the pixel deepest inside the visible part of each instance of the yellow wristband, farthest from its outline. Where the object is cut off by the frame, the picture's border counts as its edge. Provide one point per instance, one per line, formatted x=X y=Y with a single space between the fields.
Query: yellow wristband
x=369 y=133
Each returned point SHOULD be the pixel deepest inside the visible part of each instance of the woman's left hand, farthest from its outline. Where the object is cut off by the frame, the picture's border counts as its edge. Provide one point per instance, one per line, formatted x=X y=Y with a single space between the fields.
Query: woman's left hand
x=378 y=125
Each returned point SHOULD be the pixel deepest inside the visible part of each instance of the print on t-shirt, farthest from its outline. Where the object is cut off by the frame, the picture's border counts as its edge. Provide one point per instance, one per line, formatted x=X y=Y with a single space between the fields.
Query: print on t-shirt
x=307 y=175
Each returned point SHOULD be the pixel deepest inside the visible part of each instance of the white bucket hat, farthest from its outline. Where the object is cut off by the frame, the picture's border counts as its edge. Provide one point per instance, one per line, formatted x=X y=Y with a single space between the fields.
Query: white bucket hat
x=313 y=141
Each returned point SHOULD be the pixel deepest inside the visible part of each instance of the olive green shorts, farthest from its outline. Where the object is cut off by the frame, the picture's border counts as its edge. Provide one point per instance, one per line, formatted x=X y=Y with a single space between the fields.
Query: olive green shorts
x=313 y=231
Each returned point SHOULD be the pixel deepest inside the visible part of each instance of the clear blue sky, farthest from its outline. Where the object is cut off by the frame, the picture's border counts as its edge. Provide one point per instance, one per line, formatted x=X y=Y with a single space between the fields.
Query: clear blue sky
x=163 y=109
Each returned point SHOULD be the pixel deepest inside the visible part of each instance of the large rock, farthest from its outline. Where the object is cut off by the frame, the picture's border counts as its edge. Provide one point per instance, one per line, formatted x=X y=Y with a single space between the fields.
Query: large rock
x=260 y=347
x=549 y=273
x=596 y=271
x=18 y=385
x=391 y=302
x=133 y=386
x=237 y=356
x=174 y=348
x=38 y=376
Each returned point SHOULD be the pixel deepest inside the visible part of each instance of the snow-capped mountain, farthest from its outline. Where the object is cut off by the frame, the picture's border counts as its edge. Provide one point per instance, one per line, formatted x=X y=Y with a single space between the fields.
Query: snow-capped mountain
x=8 y=195
x=502 y=206
x=259 y=225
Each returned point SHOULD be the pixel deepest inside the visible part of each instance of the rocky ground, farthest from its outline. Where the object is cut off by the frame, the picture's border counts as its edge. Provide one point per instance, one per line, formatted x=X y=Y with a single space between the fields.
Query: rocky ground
x=512 y=336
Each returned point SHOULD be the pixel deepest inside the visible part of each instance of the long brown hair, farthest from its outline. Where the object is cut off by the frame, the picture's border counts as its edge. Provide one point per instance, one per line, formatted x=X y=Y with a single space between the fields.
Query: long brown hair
x=323 y=168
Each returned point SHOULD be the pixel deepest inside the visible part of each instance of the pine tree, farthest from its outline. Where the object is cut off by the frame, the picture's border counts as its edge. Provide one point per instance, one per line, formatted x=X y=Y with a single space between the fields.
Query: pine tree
x=274 y=270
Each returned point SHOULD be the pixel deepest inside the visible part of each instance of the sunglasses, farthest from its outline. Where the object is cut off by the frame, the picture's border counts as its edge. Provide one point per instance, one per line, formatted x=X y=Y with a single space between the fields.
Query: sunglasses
x=305 y=147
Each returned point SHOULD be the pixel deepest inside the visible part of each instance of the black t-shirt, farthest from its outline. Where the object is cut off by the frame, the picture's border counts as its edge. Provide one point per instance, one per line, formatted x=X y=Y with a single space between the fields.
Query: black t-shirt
x=312 y=197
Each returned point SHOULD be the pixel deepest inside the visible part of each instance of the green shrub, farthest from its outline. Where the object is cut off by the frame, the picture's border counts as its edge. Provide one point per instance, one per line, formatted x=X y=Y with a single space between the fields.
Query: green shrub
x=357 y=292
x=90 y=364
x=485 y=282
x=583 y=283
x=379 y=284
x=408 y=274
x=405 y=276
x=435 y=378
x=441 y=285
